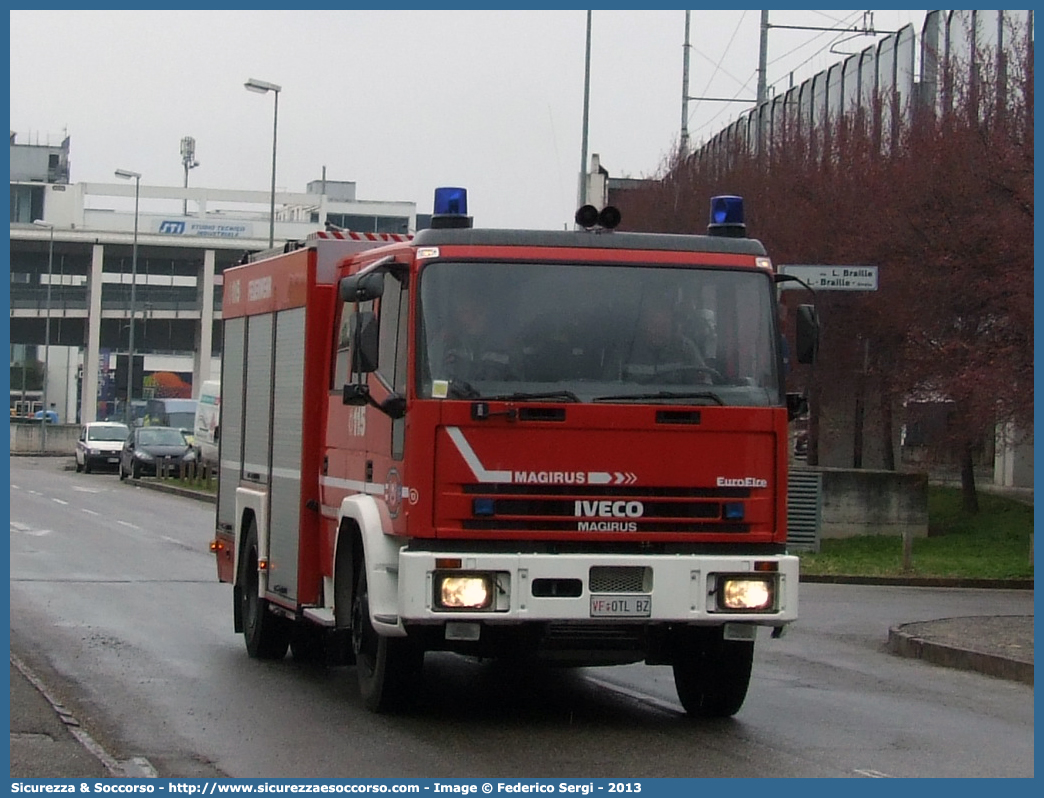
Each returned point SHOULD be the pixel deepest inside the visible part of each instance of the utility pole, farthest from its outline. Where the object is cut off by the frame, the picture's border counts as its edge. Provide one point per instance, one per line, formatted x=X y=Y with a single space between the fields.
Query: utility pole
x=683 y=145
x=587 y=100
x=763 y=60
x=188 y=160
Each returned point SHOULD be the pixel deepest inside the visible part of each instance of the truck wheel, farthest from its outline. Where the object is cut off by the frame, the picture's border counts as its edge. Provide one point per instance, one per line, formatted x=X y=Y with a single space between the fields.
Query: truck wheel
x=266 y=634
x=711 y=674
x=388 y=667
x=79 y=467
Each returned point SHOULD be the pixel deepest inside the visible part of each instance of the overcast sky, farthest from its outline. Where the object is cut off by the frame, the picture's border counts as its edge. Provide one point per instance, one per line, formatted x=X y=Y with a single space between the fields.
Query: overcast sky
x=398 y=101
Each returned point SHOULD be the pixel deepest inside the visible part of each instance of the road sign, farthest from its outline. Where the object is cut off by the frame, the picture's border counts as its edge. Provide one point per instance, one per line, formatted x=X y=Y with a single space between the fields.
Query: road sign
x=832 y=278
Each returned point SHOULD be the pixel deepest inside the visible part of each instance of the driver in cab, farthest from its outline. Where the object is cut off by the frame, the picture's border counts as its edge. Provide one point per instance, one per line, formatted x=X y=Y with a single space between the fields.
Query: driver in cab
x=468 y=348
x=659 y=352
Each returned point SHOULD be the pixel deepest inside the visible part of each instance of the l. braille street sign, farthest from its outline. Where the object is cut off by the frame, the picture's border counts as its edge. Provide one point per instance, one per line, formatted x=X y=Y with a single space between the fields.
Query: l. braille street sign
x=832 y=278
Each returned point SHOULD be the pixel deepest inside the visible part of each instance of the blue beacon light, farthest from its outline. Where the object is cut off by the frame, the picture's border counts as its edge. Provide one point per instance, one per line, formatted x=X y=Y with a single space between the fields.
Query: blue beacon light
x=726 y=217
x=450 y=208
x=451 y=200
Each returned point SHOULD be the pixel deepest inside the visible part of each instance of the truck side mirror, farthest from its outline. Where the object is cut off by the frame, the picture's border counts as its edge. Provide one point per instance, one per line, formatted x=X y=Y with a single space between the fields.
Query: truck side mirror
x=807 y=334
x=797 y=405
x=358 y=395
x=364 y=353
x=363 y=287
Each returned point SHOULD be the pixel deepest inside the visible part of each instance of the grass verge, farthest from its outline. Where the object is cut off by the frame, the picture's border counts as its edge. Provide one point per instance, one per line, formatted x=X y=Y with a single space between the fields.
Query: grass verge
x=993 y=544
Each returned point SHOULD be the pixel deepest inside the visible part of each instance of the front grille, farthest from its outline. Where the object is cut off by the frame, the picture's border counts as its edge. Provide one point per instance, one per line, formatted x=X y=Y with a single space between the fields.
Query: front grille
x=603 y=509
x=620 y=579
x=608 y=491
x=559 y=508
x=536 y=525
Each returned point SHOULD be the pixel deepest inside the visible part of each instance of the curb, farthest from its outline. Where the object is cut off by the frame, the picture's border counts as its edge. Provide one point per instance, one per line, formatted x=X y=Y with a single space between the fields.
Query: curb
x=906 y=644
x=920 y=581
x=188 y=493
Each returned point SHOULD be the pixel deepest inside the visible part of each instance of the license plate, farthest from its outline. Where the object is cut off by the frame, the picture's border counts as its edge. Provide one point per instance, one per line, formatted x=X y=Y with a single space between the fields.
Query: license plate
x=114 y=459
x=621 y=606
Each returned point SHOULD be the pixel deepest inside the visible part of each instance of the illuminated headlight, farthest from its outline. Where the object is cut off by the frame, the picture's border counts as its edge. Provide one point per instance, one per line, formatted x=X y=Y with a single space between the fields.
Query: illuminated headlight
x=742 y=593
x=463 y=591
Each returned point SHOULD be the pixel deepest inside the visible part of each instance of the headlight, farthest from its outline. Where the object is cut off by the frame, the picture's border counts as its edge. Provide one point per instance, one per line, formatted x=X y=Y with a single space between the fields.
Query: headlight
x=190 y=455
x=463 y=591
x=743 y=593
x=92 y=452
x=143 y=455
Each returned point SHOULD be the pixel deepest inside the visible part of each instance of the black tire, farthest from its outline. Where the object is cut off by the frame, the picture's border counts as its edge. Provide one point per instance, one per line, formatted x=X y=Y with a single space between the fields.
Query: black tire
x=711 y=674
x=136 y=470
x=388 y=668
x=79 y=467
x=266 y=634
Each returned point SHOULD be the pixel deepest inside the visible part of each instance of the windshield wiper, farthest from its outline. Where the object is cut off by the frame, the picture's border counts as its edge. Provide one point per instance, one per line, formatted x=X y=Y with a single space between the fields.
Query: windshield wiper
x=462 y=389
x=521 y=396
x=638 y=397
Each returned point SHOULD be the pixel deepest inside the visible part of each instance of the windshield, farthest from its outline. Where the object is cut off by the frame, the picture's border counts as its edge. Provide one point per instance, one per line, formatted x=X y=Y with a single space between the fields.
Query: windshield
x=598 y=333
x=116 y=433
x=182 y=420
x=160 y=436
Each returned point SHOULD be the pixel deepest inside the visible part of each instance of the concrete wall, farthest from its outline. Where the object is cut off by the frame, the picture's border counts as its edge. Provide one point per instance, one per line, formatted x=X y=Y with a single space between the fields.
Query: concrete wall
x=30 y=438
x=1013 y=459
x=863 y=502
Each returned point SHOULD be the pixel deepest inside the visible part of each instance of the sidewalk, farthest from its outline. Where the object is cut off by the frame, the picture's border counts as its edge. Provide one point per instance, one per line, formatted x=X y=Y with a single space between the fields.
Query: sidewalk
x=47 y=742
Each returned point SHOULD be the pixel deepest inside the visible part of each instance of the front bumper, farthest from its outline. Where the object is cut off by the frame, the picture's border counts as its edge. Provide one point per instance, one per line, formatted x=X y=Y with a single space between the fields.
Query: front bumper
x=576 y=587
x=102 y=460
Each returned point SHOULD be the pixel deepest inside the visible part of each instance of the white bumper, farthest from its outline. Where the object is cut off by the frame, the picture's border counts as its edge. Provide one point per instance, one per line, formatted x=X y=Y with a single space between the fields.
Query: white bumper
x=681 y=587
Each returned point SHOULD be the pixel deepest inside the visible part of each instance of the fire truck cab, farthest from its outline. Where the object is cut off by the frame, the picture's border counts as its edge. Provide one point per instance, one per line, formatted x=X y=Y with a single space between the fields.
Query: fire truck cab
x=565 y=445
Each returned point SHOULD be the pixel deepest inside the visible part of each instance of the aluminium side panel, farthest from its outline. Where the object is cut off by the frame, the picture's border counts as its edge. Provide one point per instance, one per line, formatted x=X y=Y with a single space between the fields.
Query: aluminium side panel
x=230 y=444
x=288 y=410
x=257 y=422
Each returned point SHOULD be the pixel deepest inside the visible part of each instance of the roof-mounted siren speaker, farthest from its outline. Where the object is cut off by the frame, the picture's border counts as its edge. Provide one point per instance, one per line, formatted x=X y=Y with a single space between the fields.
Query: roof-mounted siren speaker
x=726 y=217
x=588 y=216
x=450 y=208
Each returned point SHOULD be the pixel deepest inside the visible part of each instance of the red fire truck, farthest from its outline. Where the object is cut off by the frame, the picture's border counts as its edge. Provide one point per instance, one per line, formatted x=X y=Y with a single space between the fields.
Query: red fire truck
x=566 y=486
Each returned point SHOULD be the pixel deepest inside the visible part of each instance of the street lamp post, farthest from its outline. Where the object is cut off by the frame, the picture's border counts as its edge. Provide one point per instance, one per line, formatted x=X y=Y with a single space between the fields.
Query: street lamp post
x=263 y=87
x=136 y=177
x=47 y=331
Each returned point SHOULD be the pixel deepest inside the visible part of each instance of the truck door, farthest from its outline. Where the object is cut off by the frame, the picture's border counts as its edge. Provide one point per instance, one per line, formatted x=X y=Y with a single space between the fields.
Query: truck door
x=365 y=445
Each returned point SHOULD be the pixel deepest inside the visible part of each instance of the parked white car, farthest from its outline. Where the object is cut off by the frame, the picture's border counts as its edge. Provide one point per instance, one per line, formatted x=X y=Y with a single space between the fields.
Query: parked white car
x=99 y=444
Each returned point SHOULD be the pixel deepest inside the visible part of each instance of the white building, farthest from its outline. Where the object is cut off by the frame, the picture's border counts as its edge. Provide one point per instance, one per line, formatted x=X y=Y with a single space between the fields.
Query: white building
x=72 y=257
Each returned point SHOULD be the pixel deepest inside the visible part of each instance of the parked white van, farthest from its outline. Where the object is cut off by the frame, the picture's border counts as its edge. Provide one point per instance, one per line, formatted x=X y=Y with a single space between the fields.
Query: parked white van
x=207 y=427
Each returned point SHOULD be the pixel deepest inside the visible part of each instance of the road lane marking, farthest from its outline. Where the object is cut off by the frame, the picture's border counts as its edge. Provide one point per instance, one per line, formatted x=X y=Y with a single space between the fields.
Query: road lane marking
x=89 y=512
x=873 y=774
x=59 y=501
x=128 y=524
x=25 y=529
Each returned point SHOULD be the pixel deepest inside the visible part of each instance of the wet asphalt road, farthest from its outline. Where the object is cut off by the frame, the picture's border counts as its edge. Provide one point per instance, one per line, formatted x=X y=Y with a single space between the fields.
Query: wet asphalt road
x=113 y=593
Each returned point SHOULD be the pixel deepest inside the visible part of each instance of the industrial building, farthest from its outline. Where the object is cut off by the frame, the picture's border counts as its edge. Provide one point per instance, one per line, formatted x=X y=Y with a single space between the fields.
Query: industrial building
x=72 y=260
